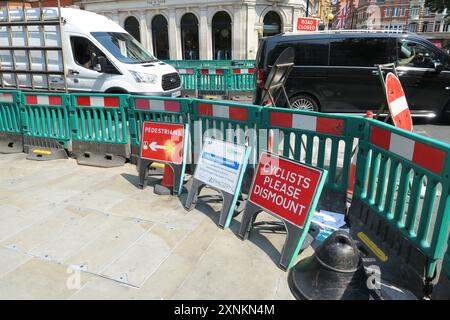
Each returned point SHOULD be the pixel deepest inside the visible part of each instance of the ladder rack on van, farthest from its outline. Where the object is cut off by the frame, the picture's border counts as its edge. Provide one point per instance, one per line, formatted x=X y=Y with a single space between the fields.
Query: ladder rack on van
x=31 y=47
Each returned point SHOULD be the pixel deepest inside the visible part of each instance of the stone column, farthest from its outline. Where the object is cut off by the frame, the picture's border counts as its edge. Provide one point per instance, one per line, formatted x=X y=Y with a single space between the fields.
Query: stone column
x=238 y=36
x=204 y=34
x=252 y=34
x=143 y=30
x=174 y=36
x=115 y=17
x=148 y=17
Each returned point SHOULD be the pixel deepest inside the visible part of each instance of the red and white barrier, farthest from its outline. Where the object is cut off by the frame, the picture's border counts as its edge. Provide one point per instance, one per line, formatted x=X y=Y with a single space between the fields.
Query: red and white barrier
x=185 y=71
x=86 y=101
x=212 y=71
x=42 y=99
x=6 y=97
x=243 y=71
x=306 y=122
x=221 y=111
x=419 y=153
x=158 y=105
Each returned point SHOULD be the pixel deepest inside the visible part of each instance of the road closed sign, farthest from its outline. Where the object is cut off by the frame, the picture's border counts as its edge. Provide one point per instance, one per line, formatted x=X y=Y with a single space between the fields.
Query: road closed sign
x=398 y=106
x=307 y=24
x=285 y=188
x=162 y=142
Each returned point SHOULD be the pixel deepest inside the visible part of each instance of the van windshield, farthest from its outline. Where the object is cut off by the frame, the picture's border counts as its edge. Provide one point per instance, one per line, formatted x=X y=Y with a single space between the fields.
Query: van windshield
x=123 y=47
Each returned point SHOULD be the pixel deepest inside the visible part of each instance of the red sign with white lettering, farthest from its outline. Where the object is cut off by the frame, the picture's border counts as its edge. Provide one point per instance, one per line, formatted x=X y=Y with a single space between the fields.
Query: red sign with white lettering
x=284 y=187
x=162 y=142
x=307 y=24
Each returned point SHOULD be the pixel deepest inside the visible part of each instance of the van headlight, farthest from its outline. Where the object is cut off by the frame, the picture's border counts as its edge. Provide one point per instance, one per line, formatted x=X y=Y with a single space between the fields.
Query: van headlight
x=144 y=77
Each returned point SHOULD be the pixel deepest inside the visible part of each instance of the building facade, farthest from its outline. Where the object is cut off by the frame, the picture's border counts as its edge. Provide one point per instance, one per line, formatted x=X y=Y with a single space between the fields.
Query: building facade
x=201 y=29
x=400 y=15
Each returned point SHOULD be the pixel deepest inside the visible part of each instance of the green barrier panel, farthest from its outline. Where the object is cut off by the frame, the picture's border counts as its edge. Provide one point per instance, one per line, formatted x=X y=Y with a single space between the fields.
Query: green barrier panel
x=233 y=122
x=242 y=79
x=322 y=140
x=189 y=79
x=401 y=200
x=100 y=129
x=300 y=132
x=10 y=125
x=157 y=109
x=46 y=115
x=99 y=118
x=213 y=81
x=9 y=111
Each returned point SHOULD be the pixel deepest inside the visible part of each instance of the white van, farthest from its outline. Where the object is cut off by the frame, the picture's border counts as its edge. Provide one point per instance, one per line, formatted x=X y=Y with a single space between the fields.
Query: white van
x=96 y=55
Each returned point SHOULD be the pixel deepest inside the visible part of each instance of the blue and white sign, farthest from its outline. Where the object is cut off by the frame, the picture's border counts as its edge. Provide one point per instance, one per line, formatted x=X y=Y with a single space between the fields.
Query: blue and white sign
x=220 y=164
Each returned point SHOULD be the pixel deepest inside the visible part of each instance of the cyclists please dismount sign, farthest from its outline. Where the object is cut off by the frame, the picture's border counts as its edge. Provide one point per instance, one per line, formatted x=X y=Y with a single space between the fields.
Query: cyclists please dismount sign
x=289 y=190
x=285 y=188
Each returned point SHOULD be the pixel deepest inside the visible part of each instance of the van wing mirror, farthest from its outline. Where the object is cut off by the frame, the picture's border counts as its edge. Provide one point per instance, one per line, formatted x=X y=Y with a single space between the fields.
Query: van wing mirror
x=101 y=64
x=438 y=67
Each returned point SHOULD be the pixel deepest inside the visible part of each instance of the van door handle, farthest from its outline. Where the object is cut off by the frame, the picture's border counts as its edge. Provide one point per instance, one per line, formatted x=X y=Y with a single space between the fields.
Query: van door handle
x=73 y=72
x=401 y=73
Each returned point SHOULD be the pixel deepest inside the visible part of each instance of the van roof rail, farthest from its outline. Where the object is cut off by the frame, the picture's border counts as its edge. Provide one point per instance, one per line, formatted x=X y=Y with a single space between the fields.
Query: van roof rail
x=349 y=31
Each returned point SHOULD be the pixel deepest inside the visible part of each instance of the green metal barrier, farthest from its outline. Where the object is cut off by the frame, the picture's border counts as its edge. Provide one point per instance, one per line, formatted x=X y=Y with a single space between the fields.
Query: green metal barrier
x=322 y=140
x=157 y=109
x=401 y=200
x=100 y=129
x=189 y=79
x=10 y=125
x=229 y=121
x=242 y=79
x=213 y=81
x=46 y=115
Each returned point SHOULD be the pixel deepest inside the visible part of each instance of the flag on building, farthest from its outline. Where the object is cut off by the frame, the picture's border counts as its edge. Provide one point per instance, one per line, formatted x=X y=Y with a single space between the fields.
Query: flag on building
x=342 y=14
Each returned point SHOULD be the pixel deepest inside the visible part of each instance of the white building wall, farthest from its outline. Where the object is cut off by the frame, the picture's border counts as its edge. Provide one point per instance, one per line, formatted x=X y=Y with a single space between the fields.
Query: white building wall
x=246 y=20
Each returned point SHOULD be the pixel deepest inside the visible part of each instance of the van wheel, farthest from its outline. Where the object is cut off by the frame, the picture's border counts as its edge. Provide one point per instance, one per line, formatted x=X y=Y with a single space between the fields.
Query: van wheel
x=304 y=102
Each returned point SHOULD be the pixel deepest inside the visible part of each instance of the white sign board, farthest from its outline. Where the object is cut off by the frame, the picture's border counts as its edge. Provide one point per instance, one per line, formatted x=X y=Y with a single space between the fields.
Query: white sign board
x=220 y=164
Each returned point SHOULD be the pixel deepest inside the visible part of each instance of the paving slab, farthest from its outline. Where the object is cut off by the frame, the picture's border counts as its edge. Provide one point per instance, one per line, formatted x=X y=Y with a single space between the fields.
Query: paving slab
x=40 y=279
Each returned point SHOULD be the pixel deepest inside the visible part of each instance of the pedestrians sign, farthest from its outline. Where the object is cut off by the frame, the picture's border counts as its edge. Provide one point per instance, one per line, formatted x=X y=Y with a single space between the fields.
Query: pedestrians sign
x=307 y=24
x=398 y=106
x=222 y=166
x=162 y=142
x=289 y=190
x=165 y=143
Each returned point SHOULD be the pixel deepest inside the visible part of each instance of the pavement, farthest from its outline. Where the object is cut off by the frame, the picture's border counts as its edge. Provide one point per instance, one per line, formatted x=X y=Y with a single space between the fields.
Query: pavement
x=79 y=232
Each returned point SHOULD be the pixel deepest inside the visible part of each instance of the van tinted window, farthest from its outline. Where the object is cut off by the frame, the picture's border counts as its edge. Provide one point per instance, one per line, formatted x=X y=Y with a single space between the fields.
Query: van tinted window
x=360 y=52
x=307 y=53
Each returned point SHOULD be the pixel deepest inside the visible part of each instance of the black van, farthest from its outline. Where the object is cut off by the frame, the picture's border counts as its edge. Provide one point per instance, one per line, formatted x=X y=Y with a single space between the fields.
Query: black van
x=335 y=71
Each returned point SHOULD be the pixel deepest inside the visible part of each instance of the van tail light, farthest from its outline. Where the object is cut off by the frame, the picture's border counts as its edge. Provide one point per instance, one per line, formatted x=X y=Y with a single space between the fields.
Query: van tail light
x=260 y=78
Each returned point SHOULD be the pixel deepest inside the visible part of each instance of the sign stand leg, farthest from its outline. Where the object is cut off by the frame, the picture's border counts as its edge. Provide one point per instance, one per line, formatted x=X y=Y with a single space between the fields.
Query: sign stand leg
x=294 y=239
x=249 y=217
x=292 y=245
x=229 y=202
x=192 y=197
x=144 y=164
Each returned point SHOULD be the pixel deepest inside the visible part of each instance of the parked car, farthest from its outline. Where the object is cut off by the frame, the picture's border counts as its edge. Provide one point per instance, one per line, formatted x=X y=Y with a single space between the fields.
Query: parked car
x=335 y=71
x=87 y=52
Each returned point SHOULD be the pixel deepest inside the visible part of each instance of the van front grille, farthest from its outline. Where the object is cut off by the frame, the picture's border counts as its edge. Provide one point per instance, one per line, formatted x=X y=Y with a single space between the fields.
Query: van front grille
x=171 y=81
